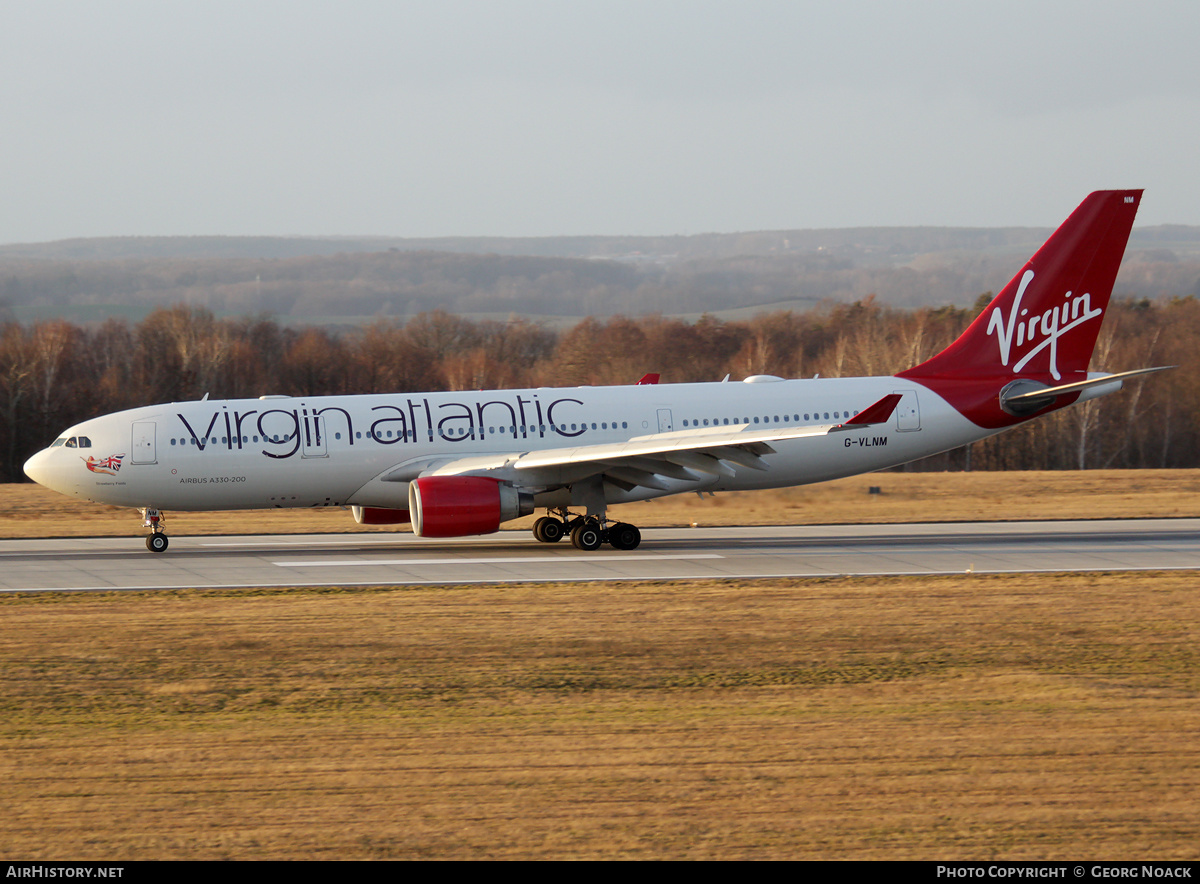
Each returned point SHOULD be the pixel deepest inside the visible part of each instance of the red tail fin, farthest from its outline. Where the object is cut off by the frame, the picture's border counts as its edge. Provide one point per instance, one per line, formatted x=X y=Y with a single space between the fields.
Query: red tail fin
x=1045 y=321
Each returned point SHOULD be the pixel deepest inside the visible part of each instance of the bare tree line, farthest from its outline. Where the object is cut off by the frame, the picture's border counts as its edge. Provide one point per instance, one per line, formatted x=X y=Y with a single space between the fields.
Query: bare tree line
x=54 y=373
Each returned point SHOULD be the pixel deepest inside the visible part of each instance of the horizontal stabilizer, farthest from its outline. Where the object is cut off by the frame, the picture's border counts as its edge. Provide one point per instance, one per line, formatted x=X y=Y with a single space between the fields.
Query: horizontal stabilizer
x=1062 y=389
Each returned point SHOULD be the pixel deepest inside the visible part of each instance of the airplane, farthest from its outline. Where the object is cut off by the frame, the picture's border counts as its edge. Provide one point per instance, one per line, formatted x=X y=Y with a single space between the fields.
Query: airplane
x=463 y=463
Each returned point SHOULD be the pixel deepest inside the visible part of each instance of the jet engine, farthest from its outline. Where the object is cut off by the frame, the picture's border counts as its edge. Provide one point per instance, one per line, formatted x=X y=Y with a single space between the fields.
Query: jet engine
x=454 y=506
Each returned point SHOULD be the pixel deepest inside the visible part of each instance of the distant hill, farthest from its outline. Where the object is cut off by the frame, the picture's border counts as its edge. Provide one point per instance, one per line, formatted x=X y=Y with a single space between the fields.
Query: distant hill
x=882 y=241
x=353 y=279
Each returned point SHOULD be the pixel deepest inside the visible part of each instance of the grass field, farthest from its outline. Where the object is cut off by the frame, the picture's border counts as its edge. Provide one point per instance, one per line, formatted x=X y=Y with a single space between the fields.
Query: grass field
x=32 y=511
x=965 y=717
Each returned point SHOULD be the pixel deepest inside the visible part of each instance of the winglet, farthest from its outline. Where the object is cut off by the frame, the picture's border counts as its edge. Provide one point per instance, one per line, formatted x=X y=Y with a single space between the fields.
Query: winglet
x=650 y=378
x=878 y=413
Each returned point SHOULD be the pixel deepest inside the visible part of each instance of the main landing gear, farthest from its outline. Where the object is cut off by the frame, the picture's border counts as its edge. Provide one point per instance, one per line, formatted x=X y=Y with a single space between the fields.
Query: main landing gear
x=157 y=541
x=587 y=532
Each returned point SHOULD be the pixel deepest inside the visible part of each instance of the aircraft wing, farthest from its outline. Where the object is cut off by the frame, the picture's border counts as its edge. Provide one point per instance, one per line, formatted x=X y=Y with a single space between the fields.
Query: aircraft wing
x=688 y=455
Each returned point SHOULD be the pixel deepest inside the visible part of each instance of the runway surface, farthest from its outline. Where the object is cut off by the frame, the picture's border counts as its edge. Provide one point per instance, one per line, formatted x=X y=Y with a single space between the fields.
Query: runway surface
x=665 y=554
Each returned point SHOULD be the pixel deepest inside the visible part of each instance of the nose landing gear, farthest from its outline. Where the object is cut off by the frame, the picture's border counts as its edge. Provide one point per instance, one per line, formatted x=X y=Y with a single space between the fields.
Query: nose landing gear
x=157 y=540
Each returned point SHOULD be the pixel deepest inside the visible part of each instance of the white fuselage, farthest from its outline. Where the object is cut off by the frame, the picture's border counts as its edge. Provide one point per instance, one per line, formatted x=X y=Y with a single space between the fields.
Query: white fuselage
x=355 y=450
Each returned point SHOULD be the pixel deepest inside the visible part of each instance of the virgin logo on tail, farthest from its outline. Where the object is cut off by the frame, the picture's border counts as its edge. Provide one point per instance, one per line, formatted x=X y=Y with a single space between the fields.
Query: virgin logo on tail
x=1045 y=327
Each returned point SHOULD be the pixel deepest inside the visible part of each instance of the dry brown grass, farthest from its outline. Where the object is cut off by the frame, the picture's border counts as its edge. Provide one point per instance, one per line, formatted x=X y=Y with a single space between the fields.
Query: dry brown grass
x=961 y=717
x=32 y=511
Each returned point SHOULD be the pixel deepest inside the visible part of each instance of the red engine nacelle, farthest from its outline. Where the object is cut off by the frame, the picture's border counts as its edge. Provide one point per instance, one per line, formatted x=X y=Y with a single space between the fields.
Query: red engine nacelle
x=454 y=506
x=377 y=515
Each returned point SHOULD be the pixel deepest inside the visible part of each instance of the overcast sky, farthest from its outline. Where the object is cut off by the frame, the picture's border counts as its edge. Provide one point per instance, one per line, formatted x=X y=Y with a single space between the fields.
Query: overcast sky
x=545 y=118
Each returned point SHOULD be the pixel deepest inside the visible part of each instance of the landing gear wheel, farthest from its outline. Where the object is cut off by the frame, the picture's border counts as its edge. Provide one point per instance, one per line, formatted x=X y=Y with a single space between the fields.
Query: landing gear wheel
x=548 y=529
x=624 y=536
x=157 y=542
x=553 y=531
x=586 y=535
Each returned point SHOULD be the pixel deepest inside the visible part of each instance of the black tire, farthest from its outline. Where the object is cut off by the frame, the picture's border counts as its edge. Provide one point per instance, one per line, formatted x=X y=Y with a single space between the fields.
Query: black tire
x=157 y=542
x=624 y=536
x=537 y=529
x=586 y=536
x=552 y=531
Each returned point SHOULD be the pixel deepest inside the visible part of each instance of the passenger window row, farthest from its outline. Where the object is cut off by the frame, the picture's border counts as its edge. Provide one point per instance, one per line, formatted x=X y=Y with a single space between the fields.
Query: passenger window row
x=766 y=419
x=453 y=432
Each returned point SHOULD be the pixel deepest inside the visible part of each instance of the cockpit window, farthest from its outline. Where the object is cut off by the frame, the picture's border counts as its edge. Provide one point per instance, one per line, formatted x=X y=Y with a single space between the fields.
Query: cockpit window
x=85 y=442
x=73 y=442
x=59 y=442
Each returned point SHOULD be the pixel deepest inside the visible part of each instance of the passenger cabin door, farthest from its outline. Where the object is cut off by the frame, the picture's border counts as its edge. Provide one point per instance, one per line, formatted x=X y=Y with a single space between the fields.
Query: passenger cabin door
x=313 y=437
x=908 y=412
x=144 y=450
